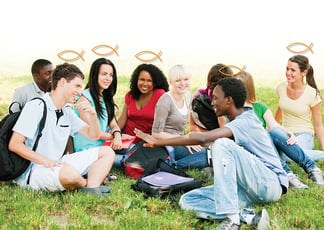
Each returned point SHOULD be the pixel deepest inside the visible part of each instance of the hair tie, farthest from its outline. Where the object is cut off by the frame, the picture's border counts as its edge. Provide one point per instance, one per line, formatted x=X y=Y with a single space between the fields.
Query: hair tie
x=116 y=131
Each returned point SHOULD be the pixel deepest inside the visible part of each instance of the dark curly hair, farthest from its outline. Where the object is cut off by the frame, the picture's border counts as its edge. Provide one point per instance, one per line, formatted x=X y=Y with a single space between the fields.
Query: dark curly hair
x=234 y=88
x=39 y=64
x=108 y=94
x=158 y=78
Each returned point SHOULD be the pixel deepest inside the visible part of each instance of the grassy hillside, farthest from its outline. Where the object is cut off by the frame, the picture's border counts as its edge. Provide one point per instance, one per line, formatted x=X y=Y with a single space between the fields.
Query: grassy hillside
x=127 y=209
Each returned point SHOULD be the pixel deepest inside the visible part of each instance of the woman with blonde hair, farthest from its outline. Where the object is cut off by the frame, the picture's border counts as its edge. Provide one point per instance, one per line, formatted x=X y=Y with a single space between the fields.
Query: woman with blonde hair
x=171 y=116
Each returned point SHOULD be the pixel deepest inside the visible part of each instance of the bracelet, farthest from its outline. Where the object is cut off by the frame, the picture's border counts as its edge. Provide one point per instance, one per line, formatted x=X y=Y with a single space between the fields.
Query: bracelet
x=116 y=131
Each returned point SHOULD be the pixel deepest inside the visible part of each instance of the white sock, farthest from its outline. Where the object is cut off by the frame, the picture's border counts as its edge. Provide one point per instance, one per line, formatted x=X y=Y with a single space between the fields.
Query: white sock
x=234 y=217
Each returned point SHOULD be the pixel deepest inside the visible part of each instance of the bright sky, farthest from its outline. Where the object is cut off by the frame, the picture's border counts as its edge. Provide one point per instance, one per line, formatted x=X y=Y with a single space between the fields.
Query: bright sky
x=199 y=34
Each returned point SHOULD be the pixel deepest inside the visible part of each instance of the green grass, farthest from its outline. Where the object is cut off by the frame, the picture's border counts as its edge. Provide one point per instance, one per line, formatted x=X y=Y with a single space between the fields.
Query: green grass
x=127 y=209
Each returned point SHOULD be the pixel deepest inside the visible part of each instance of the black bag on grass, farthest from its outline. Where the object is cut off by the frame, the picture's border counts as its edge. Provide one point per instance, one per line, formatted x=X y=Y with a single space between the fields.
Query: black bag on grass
x=142 y=159
x=11 y=164
x=164 y=181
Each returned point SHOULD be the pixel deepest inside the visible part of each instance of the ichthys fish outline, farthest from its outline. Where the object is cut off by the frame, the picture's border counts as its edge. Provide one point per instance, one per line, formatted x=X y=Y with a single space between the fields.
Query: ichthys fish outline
x=232 y=66
x=308 y=47
x=156 y=56
x=78 y=55
x=113 y=50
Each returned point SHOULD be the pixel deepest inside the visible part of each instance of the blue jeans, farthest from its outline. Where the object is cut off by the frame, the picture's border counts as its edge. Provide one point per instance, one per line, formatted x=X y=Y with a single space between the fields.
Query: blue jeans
x=182 y=158
x=240 y=180
x=294 y=152
x=119 y=154
x=306 y=141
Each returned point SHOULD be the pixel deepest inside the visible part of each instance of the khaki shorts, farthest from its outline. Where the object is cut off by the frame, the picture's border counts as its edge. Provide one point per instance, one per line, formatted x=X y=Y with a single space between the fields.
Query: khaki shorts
x=47 y=179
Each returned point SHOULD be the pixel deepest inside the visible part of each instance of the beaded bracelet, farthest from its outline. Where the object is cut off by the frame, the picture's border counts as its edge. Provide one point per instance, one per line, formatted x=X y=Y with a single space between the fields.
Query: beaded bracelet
x=116 y=131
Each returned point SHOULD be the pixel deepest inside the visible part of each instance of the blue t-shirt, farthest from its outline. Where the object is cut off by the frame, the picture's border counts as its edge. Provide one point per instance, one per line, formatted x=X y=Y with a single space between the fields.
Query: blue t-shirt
x=249 y=133
x=82 y=143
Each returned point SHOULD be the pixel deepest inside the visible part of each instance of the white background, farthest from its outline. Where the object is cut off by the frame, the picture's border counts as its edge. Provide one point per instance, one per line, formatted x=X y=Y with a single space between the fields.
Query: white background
x=199 y=34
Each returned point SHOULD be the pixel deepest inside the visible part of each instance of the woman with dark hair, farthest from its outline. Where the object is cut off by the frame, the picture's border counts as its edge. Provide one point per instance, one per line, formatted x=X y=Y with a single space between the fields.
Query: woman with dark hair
x=99 y=92
x=299 y=103
x=147 y=85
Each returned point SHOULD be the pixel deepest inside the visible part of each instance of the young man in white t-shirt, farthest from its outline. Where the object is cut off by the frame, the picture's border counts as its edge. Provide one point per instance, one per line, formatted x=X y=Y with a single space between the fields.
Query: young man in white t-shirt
x=50 y=170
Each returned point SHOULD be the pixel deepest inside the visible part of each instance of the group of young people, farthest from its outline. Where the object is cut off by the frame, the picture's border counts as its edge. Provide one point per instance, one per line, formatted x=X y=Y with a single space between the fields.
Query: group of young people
x=156 y=110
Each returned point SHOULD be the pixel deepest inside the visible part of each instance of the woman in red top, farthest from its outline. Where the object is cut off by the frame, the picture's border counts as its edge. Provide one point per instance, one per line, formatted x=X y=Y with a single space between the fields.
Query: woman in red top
x=147 y=85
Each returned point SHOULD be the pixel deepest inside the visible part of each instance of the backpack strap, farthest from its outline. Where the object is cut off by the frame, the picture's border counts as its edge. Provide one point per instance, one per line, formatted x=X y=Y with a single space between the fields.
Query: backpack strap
x=11 y=105
x=41 y=123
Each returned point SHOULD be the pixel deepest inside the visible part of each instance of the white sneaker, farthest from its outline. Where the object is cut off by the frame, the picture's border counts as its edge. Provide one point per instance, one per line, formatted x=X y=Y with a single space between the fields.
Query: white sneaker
x=261 y=220
x=316 y=175
x=294 y=182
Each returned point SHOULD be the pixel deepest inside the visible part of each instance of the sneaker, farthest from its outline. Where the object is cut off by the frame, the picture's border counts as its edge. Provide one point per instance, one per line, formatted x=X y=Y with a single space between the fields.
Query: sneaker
x=316 y=175
x=261 y=220
x=228 y=224
x=98 y=191
x=294 y=182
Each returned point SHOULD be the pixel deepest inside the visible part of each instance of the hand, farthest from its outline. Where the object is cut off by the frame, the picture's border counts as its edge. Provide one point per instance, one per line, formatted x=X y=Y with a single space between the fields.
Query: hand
x=116 y=143
x=86 y=107
x=197 y=148
x=51 y=164
x=126 y=136
x=146 y=137
x=292 y=139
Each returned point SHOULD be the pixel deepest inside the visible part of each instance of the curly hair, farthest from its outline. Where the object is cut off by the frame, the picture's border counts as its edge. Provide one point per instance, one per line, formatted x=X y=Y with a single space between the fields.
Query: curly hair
x=39 y=64
x=234 y=88
x=158 y=78
x=107 y=94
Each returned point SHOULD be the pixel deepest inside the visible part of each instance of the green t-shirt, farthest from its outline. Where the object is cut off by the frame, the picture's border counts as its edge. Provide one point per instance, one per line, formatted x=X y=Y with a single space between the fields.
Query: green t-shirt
x=260 y=109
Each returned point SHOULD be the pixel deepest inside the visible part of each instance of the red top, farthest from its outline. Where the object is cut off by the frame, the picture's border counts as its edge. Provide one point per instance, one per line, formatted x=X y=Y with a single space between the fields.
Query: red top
x=141 y=119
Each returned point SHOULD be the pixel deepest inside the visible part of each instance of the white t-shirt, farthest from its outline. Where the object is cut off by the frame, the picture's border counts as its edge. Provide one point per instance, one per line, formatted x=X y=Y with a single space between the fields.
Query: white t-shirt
x=55 y=133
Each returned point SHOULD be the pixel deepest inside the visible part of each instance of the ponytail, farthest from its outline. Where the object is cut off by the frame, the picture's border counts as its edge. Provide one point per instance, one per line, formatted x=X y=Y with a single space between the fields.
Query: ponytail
x=310 y=78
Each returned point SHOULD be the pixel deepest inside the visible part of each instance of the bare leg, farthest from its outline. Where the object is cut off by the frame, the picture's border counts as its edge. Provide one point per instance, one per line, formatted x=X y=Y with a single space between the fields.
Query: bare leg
x=70 y=178
x=99 y=170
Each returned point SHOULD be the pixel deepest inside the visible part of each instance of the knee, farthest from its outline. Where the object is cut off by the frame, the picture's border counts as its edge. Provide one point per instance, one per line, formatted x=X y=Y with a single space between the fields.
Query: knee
x=105 y=151
x=221 y=146
x=277 y=131
x=69 y=175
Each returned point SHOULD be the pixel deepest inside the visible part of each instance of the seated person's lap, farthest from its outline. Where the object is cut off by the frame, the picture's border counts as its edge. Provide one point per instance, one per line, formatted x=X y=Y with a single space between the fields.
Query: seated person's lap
x=43 y=178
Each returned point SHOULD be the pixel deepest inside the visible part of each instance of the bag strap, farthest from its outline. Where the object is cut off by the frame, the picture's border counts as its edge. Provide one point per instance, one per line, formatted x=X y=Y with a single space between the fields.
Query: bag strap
x=168 y=168
x=163 y=166
x=11 y=105
x=41 y=123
